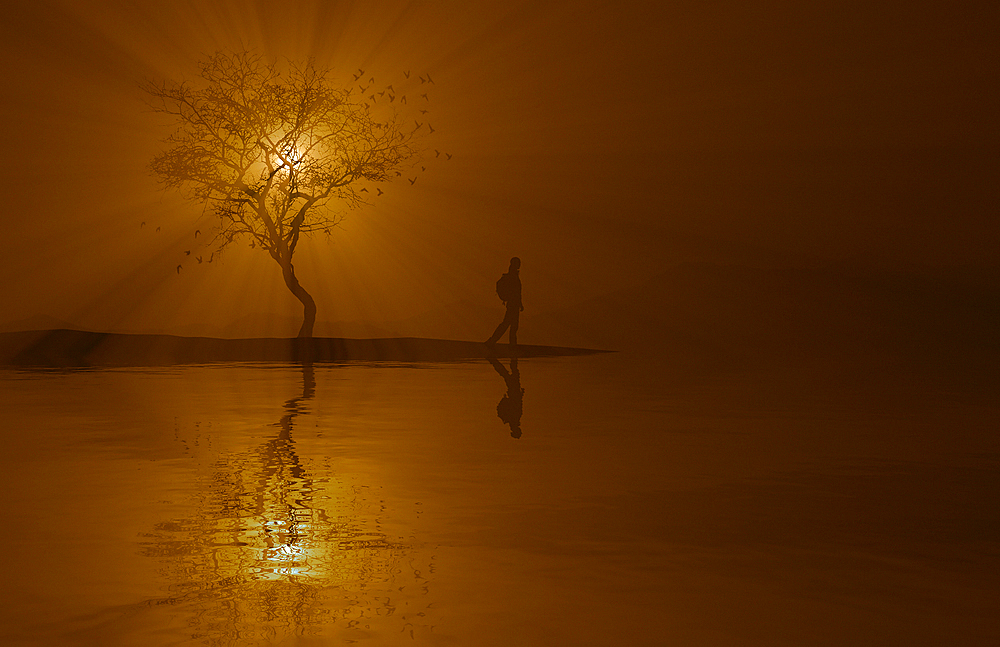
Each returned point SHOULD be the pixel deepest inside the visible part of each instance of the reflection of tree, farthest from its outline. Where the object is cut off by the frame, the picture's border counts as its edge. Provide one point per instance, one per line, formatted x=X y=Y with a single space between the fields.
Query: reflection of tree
x=271 y=550
x=510 y=405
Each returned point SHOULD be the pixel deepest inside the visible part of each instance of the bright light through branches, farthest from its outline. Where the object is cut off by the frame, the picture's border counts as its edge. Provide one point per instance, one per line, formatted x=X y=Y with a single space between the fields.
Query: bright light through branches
x=276 y=153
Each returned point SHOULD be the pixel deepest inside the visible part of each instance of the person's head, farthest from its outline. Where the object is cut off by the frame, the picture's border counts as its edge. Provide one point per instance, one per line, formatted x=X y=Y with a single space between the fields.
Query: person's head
x=515 y=264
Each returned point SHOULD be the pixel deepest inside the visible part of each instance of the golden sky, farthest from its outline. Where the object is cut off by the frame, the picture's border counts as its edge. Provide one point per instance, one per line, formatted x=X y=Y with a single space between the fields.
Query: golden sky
x=600 y=142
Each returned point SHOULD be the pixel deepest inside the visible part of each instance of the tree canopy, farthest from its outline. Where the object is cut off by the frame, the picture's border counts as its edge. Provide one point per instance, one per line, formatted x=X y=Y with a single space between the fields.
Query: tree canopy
x=274 y=151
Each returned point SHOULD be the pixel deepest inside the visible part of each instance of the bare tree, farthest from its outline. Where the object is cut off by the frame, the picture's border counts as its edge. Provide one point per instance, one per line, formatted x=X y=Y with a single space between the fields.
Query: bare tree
x=271 y=152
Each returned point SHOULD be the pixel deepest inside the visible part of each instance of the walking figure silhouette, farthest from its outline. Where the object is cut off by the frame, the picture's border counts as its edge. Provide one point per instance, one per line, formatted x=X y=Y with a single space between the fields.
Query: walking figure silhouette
x=509 y=291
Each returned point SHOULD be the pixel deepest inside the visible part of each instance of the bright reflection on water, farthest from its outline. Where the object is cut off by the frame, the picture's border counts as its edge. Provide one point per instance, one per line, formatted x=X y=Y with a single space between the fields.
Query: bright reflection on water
x=579 y=501
x=270 y=549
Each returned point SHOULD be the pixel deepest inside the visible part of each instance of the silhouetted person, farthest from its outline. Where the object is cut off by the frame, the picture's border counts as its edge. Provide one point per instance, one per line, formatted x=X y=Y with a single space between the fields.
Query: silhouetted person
x=509 y=291
x=510 y=406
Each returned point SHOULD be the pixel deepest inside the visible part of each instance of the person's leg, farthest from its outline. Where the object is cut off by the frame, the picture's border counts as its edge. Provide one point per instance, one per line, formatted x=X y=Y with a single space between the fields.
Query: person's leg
x=509 y=320
x=499 y=331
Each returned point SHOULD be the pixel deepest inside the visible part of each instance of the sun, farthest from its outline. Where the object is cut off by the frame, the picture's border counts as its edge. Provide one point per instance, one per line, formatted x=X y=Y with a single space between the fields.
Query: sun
x=290 y=156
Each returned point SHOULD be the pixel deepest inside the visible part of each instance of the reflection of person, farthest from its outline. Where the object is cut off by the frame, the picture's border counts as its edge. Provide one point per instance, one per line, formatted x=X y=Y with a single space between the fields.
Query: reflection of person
x=510 y=405
x=509 y=291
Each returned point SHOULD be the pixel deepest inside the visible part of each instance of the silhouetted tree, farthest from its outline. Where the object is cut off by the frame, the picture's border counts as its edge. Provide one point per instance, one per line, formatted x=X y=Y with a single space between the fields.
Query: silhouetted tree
x=272 y=151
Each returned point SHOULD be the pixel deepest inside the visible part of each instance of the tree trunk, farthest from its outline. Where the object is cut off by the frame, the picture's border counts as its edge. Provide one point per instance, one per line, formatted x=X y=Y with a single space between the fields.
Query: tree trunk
x=308 y=304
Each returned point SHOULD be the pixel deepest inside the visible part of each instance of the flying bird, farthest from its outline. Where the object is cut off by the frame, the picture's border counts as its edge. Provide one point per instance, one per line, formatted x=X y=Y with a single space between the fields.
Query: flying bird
x=142 y=225
x=430 y=80
x=423 y=168
x=196 y=232
x=431 y=127
x=437 y=153
x=357 y=76
x=178 y=269
x=380 y=191
x=361 y=72
x=418 y=124
x=402 y=99
x=448 y=155
x=211 y=257
x=422 y=79
x=198 y=258
x=390 y=88
x=398 y=174
x=157 y=230
x=382 y=93
x=392 y=98
x=424 y=112
x=363 y=88
x=371 y=80
x=413 y=181
x=364 y=190
x=187 y=253
x=406 y=74
x=425 y=97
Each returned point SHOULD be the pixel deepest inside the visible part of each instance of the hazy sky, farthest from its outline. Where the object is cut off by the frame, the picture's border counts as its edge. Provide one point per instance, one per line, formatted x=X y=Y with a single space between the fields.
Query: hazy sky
x=600 y=142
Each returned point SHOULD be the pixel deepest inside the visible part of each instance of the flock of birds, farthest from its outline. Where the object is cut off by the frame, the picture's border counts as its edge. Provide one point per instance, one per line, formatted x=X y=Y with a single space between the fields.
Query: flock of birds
x=187 y=252
x=388 y=89
x=370 y=101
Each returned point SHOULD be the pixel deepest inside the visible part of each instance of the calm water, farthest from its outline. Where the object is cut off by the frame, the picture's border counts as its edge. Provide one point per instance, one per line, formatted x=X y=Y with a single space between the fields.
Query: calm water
x=635 y=504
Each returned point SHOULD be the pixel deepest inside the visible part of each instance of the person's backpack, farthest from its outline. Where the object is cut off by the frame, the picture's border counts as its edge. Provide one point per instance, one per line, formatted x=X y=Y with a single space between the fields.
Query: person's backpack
x=505 y=287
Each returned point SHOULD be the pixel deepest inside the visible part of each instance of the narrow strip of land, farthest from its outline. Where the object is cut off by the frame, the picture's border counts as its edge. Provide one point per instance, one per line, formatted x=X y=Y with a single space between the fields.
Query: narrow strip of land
x=57 y=348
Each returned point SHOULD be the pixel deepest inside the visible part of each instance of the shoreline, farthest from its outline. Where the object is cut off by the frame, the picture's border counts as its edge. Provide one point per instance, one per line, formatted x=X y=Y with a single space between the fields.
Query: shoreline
x=63 y=347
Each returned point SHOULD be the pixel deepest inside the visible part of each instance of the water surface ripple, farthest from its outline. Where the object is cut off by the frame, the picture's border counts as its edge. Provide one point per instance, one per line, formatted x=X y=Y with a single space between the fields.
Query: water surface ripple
x=593 y=500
